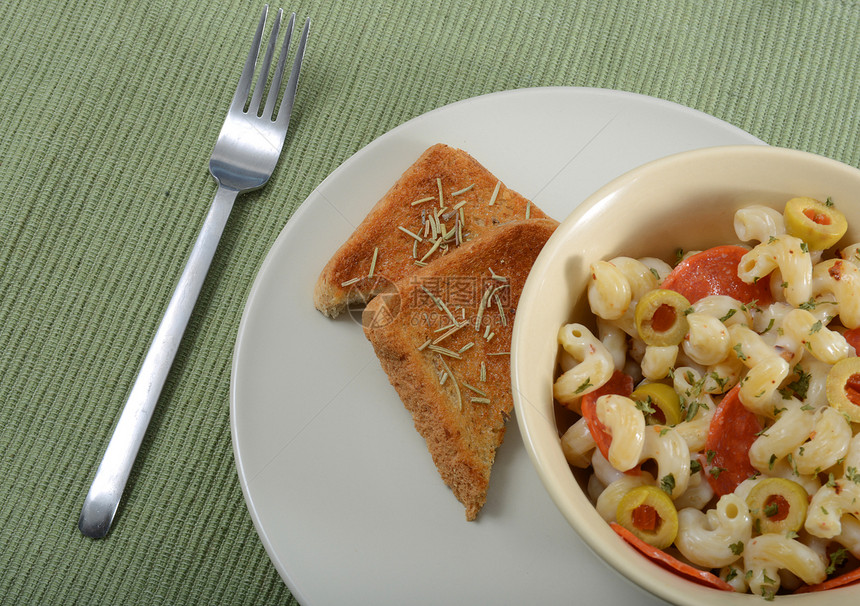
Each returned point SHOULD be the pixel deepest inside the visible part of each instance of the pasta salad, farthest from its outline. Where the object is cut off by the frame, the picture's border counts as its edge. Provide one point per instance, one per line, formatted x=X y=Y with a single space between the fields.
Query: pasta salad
x=718 y=403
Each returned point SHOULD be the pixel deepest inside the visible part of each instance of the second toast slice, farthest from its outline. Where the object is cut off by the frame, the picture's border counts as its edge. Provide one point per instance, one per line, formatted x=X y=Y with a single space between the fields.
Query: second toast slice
x=443 y=337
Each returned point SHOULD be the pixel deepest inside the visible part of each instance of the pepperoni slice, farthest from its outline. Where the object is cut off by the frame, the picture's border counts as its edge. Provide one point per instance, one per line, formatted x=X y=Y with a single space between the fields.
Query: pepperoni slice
x=715 y=272
x=661 y=557
x=845 y=579
x=732 y=431
x=853 y=338
x=618 y=384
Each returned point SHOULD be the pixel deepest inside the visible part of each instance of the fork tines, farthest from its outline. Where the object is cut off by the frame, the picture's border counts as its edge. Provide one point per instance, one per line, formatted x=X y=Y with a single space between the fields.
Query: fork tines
x=244 y=88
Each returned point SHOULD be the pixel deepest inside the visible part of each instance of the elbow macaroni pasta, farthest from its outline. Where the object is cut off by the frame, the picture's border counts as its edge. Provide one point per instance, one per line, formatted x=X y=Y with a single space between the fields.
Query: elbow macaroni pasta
x=787 y=254
x=841 y=280
x=778 y=355
x=605 y=473
x=789 y=430
x=698 y=494
x=829 y=504
x=615 y=341
x=803 y=331
x=827 y=443
x=626 y=425
x=851 y=253
x=667 y=448
x=640 y=279
x=706 y=538
x=759 y=223
x=578 y=444
x=658 y=361
x=767 y=554
x=849 y=538
x=594 y=368
x=707 y=342
x=767 y=369
x=609 y=291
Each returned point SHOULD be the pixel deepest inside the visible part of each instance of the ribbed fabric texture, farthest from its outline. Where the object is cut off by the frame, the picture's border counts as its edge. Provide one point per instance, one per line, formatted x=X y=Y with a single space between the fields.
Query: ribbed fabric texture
x=108 y=112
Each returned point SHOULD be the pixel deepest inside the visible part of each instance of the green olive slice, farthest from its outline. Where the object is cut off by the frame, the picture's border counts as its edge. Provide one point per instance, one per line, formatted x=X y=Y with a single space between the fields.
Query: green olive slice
x=650 y=514
x=661 y=404
x=660 y=317
x=818 y=224
x=777 y=505
x=843 y=388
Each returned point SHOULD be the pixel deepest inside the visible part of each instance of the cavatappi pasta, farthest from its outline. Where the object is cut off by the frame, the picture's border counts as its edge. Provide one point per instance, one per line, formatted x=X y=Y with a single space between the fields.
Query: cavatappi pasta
x=744 y=415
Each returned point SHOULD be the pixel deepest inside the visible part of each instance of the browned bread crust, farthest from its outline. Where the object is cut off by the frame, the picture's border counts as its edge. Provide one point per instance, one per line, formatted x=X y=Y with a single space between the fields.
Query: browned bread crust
x=454 y=170
x=462 y=428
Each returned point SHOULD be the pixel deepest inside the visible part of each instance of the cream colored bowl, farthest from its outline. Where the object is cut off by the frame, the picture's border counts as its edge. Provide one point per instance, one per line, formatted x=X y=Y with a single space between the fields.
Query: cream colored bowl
x=684 y=201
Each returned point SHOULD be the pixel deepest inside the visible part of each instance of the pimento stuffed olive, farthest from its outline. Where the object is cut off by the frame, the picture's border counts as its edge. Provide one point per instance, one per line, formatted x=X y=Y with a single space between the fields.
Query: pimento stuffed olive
x=650 y=514
x=817 y=223
x=843 y=388
x=660 y=402
x=660 y=317
x=777 y=505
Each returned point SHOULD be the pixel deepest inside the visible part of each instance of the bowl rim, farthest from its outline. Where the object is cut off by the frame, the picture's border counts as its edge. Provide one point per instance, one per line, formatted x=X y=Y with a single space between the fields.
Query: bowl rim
x=653 y=578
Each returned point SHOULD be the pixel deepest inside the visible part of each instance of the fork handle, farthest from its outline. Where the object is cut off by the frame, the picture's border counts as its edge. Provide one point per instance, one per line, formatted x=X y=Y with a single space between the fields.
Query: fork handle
x=110 y=479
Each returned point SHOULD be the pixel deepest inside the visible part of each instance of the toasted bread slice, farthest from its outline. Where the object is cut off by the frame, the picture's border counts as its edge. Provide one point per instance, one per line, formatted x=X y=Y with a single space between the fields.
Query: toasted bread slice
x=445 y=188
x=443 y=336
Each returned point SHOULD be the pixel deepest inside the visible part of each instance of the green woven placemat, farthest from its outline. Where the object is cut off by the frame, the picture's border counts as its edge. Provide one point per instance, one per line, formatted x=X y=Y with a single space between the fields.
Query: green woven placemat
x=108 y=113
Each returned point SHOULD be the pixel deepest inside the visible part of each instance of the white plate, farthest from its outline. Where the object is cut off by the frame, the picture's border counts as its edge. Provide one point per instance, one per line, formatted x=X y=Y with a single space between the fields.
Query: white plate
x=341 y=488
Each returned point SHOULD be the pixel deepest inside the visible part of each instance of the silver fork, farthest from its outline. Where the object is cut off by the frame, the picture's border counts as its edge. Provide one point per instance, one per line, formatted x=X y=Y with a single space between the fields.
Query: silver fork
x=244 y=157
